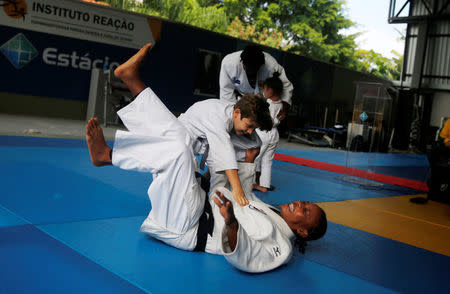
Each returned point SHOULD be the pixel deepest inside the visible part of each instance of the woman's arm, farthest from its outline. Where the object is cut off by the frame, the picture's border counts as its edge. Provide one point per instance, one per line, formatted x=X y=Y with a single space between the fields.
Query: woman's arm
x=231 y=223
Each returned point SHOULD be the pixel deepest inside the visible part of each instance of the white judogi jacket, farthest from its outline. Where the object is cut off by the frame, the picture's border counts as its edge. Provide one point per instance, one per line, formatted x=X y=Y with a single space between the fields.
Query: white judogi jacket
x=233 y=76
x=212 y=120
x=264 y=240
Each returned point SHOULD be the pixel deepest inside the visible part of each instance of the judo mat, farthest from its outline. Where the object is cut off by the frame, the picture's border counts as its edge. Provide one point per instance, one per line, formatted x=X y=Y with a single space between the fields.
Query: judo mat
x=69 y=227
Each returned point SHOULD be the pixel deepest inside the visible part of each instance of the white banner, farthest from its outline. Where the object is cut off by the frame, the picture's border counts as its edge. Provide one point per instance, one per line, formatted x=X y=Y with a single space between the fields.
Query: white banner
x=77 y=19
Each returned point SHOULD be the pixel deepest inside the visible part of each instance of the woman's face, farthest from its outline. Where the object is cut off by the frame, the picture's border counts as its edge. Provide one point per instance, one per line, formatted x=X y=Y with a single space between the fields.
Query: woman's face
x=301 y=215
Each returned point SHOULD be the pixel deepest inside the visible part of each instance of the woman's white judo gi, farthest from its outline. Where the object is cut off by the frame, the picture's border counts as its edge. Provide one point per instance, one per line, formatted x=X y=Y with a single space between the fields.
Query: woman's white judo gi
x=269 y=143
x=233 y=77
x=156 y=142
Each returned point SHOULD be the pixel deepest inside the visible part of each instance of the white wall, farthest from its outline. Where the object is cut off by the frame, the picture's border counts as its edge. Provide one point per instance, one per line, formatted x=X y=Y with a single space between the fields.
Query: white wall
x=440 y=108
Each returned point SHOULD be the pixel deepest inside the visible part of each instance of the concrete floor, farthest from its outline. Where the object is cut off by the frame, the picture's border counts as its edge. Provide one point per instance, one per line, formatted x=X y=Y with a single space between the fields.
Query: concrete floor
x=22 y=125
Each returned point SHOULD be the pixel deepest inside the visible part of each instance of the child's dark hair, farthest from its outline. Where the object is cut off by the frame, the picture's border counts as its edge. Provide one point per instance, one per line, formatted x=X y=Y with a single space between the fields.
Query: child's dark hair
x=314 y=233
x=252 y=56
x=256 y=108
x=275 y=83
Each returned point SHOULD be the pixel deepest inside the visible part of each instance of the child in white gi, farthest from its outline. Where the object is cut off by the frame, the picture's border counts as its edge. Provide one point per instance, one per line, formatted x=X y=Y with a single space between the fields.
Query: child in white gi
x=212 y=122
x=273 y=89
x=253 y=238
x=244 y=72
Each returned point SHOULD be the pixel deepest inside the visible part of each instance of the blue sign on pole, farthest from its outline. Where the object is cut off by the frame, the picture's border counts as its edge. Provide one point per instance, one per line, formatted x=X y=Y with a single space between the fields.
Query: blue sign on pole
x=363 y=116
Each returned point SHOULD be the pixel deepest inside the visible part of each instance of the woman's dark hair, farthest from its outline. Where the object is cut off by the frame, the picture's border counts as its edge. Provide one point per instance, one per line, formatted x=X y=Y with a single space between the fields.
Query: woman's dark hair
x=275 y=83
x=252 y=57
x=256 y=108
x=314 y=233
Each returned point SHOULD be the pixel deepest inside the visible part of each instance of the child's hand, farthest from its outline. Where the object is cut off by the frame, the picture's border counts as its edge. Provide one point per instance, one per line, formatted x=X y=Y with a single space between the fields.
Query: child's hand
x=236 y=188
x=282 y=114
x=239 y=196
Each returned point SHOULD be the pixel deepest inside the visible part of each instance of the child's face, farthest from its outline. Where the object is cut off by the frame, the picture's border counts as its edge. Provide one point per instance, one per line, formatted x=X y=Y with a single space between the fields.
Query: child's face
x=242 y=126
x=268 y=93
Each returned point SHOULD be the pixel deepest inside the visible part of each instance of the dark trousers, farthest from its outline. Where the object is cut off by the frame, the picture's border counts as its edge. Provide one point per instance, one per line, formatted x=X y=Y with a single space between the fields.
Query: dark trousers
x=439 y=182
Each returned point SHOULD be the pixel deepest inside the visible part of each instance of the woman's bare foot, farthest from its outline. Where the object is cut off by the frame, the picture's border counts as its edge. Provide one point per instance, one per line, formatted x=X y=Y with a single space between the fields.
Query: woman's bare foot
x=98 y=150
x=128 y=71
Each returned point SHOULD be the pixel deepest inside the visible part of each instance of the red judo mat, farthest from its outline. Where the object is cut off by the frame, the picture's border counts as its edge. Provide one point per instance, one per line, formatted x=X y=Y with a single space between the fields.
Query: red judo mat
x=388 y=179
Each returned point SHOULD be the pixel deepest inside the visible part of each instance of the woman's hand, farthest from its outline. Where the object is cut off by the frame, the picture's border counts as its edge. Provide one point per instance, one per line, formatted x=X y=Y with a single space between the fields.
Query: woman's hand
x=226 y=208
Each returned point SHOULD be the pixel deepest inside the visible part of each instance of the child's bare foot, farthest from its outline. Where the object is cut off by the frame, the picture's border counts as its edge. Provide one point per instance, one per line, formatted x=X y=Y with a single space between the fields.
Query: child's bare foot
x=98 y=150
x=128 y=71
x=259 y=188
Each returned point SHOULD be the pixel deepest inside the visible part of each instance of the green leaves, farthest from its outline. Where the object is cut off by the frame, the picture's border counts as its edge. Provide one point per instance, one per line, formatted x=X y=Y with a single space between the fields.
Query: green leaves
x=375 y=63
x=210 y=17
x=308 y=27
x=266 y=37
x=312 y=28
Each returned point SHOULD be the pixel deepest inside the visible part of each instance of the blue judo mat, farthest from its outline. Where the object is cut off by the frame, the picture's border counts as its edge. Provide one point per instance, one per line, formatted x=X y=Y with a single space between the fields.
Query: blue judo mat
x=68 y=227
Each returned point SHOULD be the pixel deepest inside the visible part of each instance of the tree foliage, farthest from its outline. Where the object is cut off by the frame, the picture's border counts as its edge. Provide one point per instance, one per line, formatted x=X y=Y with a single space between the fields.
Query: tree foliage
x=272 y=38
x=309 y=27
x=210 y=17
x=312 y=28
x=374 y=63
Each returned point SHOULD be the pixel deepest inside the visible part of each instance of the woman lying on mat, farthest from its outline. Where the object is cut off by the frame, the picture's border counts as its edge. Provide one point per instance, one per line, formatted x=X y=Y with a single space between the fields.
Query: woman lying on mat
x=254 y=238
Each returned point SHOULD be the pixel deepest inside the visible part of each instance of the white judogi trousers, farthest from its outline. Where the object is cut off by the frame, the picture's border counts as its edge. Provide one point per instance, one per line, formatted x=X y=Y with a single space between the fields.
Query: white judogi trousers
x=176 y=197
x=265 y=158
x=269 y=144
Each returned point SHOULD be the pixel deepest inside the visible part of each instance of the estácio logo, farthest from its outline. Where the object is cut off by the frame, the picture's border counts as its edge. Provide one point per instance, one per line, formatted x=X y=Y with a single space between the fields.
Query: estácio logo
x=19 y=51
x=14 y=8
